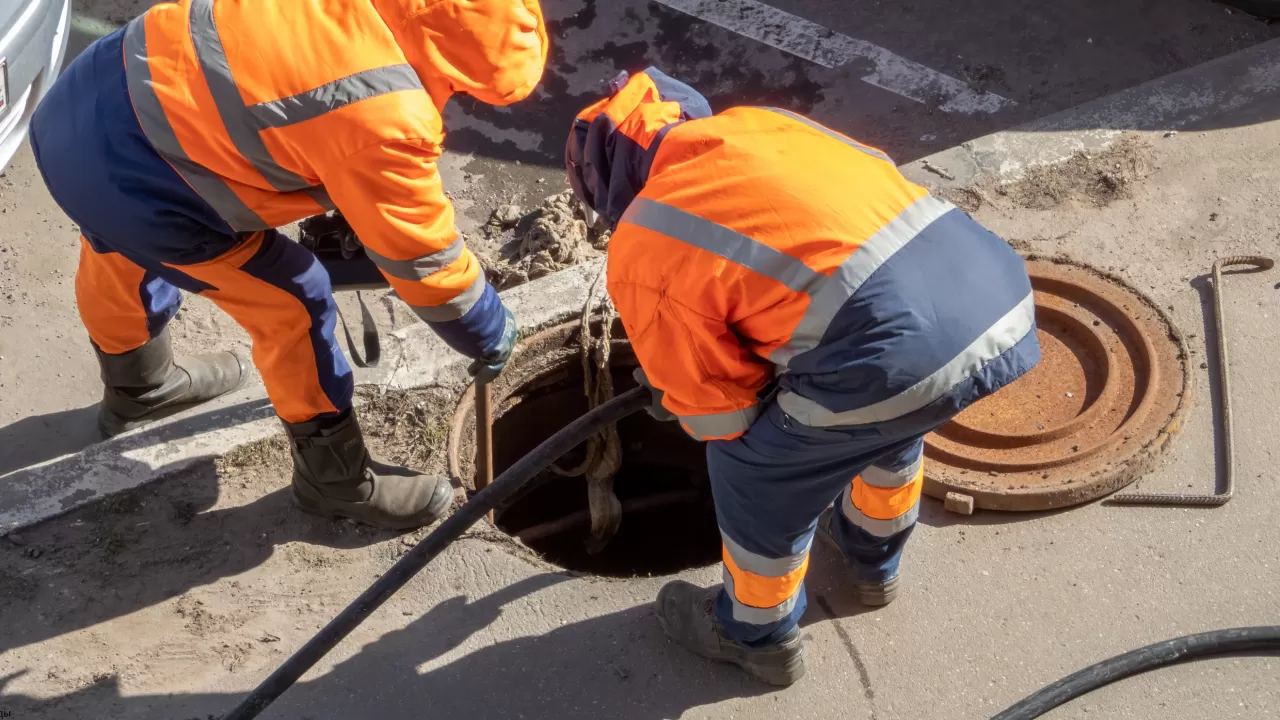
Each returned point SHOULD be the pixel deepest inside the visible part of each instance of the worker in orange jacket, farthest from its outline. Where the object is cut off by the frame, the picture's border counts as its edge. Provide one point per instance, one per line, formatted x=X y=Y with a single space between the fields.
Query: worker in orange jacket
x=811 y=314
x=181 y=141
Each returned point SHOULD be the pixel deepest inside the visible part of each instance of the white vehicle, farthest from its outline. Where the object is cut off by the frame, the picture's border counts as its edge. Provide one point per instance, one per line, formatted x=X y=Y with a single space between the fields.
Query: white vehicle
x=33 y=40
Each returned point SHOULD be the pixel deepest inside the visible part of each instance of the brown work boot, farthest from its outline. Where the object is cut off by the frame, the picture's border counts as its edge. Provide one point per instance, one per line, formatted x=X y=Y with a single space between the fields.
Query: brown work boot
x=687 y=614
x=333 y=476
x=146 y=384
x=872 y=593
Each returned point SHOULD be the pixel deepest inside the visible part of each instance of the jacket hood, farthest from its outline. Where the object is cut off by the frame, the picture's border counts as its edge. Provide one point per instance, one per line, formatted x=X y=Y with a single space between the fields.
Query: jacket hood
x=613 y=142
x=492 y=50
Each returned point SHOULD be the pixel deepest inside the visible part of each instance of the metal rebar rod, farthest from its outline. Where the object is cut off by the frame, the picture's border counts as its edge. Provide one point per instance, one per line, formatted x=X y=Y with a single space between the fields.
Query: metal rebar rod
x=1224 y=403
x=484 y=438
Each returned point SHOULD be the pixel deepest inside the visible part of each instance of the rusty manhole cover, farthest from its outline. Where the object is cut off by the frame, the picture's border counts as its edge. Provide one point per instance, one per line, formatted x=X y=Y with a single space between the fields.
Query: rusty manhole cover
x=1109 y=392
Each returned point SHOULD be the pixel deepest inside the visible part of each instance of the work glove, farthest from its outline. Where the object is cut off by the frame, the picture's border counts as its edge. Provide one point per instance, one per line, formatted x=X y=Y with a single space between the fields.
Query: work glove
x=488 y=366
x=655 y=409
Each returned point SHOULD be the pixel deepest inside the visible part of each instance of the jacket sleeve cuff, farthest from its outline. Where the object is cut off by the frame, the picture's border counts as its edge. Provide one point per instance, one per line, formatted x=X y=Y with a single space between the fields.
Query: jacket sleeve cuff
x=478 y=331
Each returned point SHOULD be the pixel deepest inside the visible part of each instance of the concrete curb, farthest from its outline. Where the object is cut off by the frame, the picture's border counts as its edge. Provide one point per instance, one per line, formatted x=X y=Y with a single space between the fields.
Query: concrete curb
x=1237 y=89
x=34 y=494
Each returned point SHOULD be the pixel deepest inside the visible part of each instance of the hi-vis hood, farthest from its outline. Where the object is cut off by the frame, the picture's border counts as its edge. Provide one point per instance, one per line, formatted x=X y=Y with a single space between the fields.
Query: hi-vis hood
x=492 y=50
x=613 y=142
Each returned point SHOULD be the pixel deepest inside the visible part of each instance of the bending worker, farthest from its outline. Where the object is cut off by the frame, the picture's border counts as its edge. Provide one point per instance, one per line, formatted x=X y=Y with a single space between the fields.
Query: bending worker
x=811 y=314
x=179 y=143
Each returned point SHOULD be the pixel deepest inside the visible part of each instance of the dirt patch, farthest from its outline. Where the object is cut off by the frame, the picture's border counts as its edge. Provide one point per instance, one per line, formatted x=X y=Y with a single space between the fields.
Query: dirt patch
x=537 y=242
x=1090 y=179
x=408 y=428
x=209 y=573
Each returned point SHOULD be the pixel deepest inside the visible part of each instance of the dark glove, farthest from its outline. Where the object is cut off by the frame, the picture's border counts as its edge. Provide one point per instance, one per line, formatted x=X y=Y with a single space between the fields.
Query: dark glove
x=487 y=367
x=655 y=409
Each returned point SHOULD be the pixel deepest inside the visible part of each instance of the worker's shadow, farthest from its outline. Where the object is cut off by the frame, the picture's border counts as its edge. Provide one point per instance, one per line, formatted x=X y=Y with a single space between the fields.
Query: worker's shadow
x=153 y=543
x=617 y=665
x=38 y=438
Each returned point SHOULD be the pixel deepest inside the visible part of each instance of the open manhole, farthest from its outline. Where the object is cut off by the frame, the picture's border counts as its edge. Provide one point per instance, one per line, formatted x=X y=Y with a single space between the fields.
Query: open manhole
x=668 y=520
x=1109 y=393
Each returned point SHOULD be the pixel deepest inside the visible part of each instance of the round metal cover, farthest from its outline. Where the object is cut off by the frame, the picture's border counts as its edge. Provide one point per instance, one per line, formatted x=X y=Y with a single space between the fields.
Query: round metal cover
x=1108 y=394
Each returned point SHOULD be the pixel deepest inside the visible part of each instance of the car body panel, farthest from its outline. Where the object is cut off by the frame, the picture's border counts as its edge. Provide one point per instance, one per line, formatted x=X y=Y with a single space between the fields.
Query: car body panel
x=33 y=42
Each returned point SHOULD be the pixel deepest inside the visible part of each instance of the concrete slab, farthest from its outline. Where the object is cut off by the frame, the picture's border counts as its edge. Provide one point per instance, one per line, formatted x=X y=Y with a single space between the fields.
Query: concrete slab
x=877 y=61
x=994 y=607
x=1236 y=90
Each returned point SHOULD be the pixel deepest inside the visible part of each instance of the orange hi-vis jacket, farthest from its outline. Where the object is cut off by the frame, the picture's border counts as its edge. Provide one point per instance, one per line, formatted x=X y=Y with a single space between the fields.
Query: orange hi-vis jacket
x=756 y=246
x=275 y=110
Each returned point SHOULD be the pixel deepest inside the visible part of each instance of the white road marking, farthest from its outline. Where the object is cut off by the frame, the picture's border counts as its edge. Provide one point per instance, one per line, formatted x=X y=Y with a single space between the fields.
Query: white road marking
x=817 y=44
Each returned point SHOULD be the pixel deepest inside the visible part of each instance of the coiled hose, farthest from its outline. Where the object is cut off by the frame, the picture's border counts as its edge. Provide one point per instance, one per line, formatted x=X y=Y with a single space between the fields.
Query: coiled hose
x=509 y=482
x=1235 y=641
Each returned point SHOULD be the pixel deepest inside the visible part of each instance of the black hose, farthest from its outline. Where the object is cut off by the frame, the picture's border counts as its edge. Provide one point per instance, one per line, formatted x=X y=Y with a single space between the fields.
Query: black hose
x=1219 y=642
x=433 y=544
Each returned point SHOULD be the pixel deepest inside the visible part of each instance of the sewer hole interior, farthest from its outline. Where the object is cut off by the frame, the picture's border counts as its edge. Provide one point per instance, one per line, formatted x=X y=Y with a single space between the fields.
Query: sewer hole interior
x=658 y=459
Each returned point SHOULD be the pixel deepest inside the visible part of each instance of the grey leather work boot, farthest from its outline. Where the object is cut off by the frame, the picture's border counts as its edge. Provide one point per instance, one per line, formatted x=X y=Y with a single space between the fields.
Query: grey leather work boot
x=871 y=593
x=687 y=614
x=147 y=384
x=333 y=476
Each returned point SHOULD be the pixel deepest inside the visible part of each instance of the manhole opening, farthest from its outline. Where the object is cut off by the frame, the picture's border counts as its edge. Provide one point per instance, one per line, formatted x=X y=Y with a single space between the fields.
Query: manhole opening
x=668 y=522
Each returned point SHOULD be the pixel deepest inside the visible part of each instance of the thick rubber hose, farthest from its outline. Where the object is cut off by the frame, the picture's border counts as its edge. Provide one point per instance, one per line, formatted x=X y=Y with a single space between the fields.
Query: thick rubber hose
x=1219 y=642
x=433 y=544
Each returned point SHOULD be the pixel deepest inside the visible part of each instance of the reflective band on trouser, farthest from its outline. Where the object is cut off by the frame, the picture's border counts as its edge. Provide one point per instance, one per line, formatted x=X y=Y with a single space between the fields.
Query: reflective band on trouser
x=155 y=125
x=419 y=268
x=455 y=308
x=881 y=478
x=763 y=590
x=724 y=242
x=998 y=339
x=832 y=134
x=883 y=509
x=720 y=426
x=834 y=291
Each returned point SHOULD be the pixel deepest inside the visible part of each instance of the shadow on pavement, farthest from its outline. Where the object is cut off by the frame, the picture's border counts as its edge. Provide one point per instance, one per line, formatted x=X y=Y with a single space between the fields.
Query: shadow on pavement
x=143 y=547
x=618 y=665
x=38 y=438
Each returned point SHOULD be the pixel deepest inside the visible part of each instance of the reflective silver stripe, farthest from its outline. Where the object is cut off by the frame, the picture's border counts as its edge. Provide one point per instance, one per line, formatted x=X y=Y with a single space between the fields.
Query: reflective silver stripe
x=836 y=290
x=758 y=616
x=155 y=125
x=875 y=526
x=710 y=427
x=456 y=307
x=321 y=196
x=1004 y=334
x=331 y=96
x=881 y=478
x=761 y=565
x=831 y=133
x=418 y=268
x=720 y=240
x=231 y=108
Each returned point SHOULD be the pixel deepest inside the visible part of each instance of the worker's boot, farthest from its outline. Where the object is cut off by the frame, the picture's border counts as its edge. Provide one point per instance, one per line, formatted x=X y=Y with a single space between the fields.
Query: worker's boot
x=872 y=593
x=687 y=614
x=333 y=476
x=146 y=384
